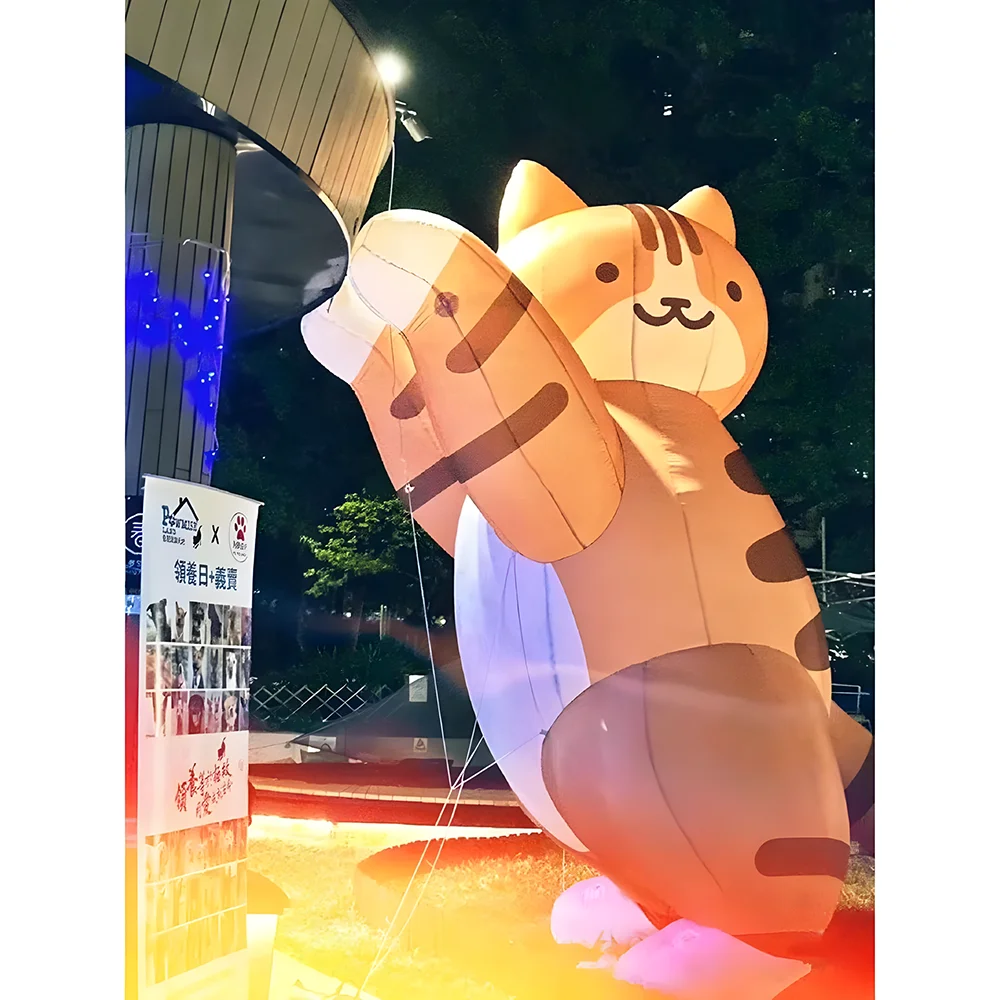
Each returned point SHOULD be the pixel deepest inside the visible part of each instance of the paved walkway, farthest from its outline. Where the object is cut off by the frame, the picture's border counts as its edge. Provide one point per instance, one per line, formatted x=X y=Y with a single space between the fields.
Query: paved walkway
x=469 y=797
x=293 y=980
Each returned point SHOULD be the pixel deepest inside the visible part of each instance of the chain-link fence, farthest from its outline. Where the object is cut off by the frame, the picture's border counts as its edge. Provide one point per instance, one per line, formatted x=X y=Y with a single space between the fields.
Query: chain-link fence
x=303 y=709
x=278 y=705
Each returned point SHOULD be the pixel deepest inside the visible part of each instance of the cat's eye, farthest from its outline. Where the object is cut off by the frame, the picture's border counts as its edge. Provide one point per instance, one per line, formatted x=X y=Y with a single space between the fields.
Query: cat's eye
x=734 y=290
x=606 y=272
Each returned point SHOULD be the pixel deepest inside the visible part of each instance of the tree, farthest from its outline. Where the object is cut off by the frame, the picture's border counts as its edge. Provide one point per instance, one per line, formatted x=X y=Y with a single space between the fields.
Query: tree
x=294 y=437
x=772 y=102
x=367 y=550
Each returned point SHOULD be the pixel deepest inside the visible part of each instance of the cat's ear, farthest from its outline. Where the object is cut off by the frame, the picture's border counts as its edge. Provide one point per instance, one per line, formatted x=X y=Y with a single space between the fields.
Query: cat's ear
x=707 y=206
x=532 y=195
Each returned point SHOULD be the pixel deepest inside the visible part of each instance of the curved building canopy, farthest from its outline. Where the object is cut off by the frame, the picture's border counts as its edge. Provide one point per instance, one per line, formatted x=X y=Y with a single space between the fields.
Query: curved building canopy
x=293 y=84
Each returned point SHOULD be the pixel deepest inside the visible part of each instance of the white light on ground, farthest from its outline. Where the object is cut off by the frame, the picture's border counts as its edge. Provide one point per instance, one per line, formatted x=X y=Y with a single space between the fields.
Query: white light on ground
x=391 y=68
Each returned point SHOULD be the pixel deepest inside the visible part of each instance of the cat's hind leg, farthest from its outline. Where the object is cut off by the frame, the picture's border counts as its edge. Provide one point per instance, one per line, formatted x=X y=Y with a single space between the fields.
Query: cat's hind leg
x=704 y=781
x=854 y=747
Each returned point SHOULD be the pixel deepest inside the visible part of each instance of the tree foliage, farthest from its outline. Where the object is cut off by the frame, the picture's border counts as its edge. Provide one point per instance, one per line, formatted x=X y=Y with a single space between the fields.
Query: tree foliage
x=368 y=547
x=370 y=664
x=772 y=102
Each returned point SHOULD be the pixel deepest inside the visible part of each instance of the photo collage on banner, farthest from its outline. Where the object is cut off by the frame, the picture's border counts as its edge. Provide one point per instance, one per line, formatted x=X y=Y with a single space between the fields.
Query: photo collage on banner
x=197 y=668
x=194 y=686
x=196 y=890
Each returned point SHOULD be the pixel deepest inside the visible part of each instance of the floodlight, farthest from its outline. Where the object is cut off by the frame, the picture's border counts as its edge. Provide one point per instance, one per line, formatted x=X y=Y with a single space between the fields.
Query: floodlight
x=413 y=125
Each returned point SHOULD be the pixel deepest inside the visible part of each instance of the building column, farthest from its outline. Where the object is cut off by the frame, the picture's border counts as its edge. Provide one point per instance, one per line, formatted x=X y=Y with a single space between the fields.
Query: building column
x=179 y=208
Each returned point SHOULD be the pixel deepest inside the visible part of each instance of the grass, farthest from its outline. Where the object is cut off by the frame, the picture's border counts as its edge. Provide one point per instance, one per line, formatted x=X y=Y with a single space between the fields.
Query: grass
x=859 y=886
x=518 y=873
x=314 y=864
x=492 y=898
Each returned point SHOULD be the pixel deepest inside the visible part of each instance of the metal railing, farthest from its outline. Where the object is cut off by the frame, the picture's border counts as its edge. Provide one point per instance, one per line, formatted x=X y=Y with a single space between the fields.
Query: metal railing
x=304 y=708
x=834 y=588
x=848 y=697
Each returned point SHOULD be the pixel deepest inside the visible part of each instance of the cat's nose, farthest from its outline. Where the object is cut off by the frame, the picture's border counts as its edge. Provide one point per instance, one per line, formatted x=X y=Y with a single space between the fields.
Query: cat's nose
x=676 y=303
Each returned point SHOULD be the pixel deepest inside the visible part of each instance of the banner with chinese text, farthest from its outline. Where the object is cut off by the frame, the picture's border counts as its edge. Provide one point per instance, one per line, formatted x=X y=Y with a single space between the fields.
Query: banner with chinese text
x=197 y=591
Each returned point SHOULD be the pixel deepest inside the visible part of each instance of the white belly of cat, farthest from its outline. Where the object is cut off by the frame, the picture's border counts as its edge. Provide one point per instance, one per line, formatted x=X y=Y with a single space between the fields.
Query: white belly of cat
x=522 y=658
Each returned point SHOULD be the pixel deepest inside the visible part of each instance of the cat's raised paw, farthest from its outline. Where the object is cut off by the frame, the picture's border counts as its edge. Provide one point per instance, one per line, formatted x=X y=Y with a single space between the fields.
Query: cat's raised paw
x=398 y=256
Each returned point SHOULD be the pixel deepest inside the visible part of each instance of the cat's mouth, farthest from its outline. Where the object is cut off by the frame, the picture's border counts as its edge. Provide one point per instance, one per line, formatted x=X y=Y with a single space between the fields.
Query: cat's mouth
x=675 y=311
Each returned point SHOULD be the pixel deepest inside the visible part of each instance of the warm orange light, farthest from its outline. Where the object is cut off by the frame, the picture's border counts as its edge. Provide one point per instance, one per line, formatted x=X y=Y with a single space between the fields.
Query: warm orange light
x=280 y=827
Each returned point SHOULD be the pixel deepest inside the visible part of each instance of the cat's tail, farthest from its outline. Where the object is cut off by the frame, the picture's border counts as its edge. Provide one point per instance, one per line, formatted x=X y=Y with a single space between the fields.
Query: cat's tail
x=854 y=747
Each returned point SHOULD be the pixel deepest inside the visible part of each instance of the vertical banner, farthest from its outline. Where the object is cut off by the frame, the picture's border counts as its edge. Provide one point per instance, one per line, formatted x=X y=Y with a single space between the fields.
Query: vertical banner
x=194 y=678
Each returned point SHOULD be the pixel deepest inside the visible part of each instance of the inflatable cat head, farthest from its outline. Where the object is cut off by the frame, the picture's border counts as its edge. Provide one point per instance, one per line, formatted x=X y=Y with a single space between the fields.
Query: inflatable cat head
x=642 y=293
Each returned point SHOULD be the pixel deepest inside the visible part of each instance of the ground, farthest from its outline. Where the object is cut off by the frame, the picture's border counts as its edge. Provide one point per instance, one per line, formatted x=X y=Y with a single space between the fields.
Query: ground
x=484 y=913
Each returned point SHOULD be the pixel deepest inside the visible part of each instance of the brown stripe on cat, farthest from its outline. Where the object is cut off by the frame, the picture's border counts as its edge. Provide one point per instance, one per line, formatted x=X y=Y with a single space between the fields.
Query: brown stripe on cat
x=647 y=231
x=410 y=401
x=860 y=793
x=689 y=233
x=774 y=559
x=470 y=353
x=741 y=474
x=810 y=645
x=670 y=238
x=803 y=856
x=492 y=446
x=505 y=438
x=432 y=482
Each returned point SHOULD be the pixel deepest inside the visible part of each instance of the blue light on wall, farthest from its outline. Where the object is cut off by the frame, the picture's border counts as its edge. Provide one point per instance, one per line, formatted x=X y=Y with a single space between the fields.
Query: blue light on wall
x=191 y=326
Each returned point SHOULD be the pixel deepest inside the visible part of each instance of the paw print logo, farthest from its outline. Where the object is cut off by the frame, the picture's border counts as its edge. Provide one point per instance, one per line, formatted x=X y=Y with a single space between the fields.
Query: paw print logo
x=446 y=304
x=238 y=544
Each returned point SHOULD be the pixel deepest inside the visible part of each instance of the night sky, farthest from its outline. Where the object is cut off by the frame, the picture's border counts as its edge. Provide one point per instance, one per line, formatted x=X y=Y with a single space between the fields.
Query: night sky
x=771 y=102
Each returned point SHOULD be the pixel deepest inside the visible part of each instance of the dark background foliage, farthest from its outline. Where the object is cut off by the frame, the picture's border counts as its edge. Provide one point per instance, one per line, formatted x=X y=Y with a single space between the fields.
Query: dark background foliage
x=770 y=101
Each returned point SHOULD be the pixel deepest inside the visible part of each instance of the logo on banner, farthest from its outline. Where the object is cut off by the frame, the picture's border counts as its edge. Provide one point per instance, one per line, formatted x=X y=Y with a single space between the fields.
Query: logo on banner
x=181 y=524
x=238 y=544
x=133 y=535
x=133 y=544
x=419 y=745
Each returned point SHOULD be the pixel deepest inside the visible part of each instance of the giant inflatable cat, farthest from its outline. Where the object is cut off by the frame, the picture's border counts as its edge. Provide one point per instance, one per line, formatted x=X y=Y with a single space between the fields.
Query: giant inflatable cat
x=641 y=641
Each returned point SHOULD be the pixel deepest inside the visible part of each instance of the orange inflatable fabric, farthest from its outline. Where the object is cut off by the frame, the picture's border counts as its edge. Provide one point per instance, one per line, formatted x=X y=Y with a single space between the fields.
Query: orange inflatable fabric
x=641 y=641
